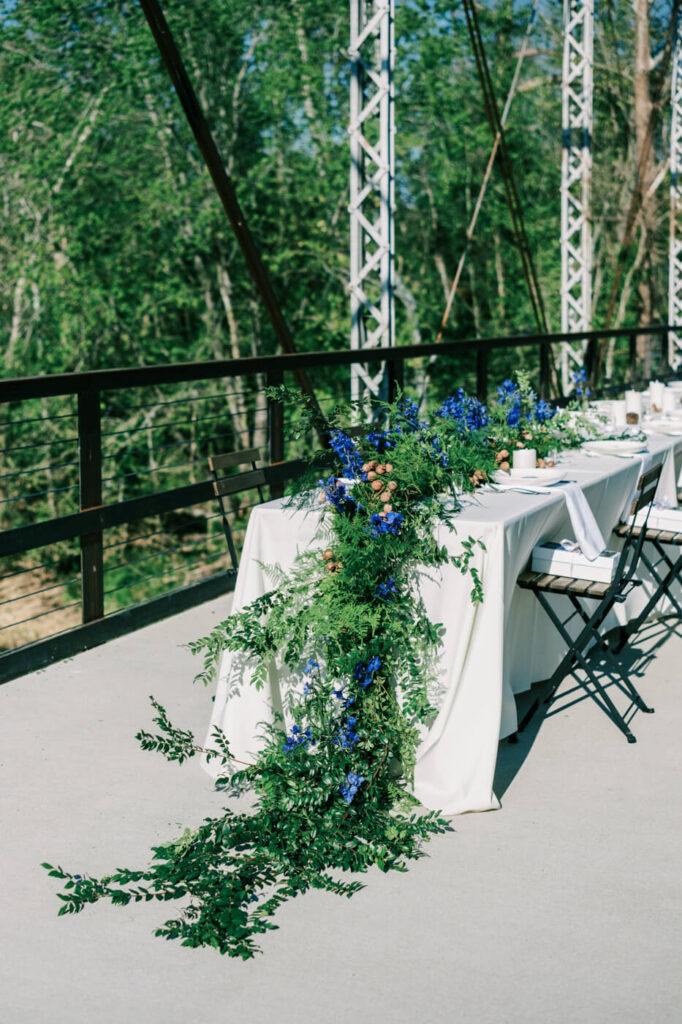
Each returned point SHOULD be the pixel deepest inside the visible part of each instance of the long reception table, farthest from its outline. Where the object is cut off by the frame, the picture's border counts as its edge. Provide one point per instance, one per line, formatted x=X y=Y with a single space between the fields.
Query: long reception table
x=491 y=651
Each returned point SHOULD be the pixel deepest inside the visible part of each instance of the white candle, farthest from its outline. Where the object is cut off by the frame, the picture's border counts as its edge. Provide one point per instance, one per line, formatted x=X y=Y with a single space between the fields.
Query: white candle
x=670 y=400
x=524 y=458
x=633 y=406
x=618 y=412
x=656 y=392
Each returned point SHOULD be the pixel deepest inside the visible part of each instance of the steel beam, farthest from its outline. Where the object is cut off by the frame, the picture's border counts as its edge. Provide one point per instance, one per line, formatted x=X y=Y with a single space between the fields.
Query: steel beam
x=675 y=251
x=371 y=207
x=576 y=174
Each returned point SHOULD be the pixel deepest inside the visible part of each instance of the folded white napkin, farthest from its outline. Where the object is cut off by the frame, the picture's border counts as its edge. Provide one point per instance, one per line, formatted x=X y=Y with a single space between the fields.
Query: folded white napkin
x=645 y=462
x=585 y=526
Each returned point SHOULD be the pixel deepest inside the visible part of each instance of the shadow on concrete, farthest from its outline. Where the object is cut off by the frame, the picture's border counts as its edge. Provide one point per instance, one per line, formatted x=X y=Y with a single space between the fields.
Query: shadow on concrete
x=636 y=657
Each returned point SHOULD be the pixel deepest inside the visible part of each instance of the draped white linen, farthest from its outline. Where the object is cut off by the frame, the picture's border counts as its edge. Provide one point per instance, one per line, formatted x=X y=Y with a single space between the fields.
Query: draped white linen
x=490 y=652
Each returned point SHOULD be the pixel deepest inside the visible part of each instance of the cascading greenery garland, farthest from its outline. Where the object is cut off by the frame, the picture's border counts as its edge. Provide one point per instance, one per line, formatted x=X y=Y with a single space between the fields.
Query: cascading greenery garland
x=348 y=624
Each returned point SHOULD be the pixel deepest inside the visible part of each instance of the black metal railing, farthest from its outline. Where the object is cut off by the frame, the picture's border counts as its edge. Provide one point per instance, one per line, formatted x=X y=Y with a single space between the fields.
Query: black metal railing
x=99 y=447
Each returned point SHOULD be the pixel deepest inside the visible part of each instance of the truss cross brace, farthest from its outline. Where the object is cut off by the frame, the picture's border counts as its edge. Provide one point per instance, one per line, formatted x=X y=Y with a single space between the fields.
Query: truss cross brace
x=576 y=173
x=371 y=133
x=675 y=254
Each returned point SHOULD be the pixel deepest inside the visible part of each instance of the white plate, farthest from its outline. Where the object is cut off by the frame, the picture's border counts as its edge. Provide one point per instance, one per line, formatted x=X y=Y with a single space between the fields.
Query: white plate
x=673 y=429
x=542 y=477
x=614 y=447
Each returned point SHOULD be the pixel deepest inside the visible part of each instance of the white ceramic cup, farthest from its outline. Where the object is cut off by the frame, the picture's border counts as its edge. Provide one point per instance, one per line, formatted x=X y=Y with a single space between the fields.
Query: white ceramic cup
x=524 y=458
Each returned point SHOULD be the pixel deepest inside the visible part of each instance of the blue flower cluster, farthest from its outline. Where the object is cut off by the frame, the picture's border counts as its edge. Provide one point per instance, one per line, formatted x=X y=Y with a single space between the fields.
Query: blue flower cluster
x=580 y=378
x=506 y=389
x=409 y=412
x=544 y=411
x=351 y=786
x=337 y=495
x=364 y=674
x=347 y=453
x=438 y=449
x=340 y=695
x=466 y=412
x=298 y=738
x=382 y=440
x=514 y=414
x=310 y=665
x=387 y=589
x=388 y=522
x=347 y=737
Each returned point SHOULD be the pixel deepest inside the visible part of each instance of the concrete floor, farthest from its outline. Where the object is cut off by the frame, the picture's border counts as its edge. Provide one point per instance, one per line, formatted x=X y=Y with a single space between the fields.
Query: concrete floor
x=564 y=906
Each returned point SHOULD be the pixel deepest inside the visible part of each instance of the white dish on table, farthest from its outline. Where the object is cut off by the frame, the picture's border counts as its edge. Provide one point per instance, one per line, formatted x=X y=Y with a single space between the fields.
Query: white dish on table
x=521 y=477
x=671 y=427
x=614 y=447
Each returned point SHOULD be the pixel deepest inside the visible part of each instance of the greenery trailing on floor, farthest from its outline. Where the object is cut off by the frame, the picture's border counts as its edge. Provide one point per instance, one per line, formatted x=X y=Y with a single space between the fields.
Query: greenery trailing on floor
x=332 y=781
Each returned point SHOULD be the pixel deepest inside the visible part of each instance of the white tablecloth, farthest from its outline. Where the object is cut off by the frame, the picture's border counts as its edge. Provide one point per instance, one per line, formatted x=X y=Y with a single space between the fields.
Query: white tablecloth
x=491 y=650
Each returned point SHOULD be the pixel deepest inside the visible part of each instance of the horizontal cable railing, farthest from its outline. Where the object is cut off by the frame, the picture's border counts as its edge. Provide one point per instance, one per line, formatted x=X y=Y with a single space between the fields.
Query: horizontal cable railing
x=108 y=518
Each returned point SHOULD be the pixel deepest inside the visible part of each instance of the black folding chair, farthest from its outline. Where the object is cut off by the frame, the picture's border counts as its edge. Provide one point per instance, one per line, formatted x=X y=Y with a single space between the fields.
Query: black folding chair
x=606 y=596
x=232 y=483
x=663 y=577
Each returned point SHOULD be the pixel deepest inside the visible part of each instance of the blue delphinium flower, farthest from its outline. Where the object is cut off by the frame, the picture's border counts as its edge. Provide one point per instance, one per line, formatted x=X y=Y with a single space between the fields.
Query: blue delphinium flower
x=382 y=440
x=438 y=449
x=340 y=695
x=347 y=453
x=364 y=674
x=310 y=665
x=297 y=738
x=544 y=411
x=337 y=495
x=351 y=786
x=580 y=378
x=466 y=412
x=506 y=389
x=387 y=589
x=514 y=414
x=347 y=736
x=409 y=413
x=387 y=522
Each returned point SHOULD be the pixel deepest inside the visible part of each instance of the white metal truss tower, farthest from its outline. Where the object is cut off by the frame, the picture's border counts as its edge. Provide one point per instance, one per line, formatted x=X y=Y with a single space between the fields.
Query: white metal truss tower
x=371 y=187
x=576 y=172
x=675 y=256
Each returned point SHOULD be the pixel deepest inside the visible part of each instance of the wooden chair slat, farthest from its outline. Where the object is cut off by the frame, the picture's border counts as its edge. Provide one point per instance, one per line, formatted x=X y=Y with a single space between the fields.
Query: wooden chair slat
x=598 y=589
x=579 y=587
x=559 y=584
x=239 y=482
x=230 y=459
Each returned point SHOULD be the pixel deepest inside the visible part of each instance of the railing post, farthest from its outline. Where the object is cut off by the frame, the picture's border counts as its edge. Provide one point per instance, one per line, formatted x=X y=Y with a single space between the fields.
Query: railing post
x=395 y=370
x=545 y=372
x=482 y=373
x=90 y=458
x=274 y=378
